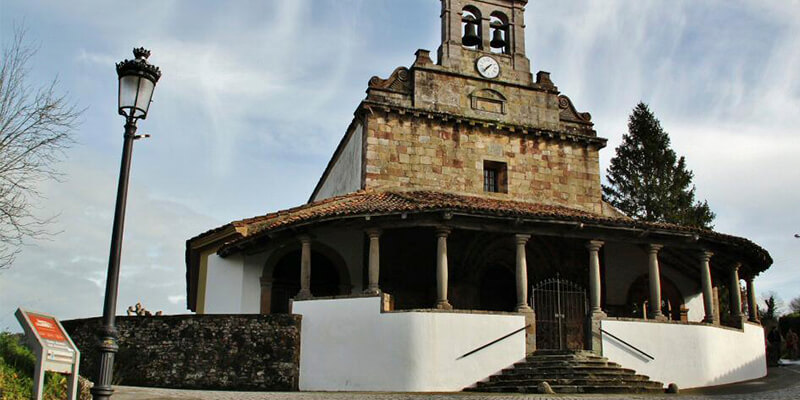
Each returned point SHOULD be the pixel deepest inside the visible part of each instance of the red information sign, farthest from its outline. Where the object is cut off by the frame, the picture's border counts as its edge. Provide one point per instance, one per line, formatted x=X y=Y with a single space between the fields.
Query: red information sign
x=47 y=328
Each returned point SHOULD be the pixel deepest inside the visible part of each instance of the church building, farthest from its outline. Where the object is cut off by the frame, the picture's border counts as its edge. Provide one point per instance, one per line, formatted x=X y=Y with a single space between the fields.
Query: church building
x=459 y=233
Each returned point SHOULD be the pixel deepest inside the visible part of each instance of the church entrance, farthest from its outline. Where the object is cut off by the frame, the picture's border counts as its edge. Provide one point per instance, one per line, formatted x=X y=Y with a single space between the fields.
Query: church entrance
x=560 y=307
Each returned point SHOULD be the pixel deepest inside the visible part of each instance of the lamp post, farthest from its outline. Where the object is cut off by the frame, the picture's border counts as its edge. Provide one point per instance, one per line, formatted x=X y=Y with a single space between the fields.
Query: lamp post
x=137 y=79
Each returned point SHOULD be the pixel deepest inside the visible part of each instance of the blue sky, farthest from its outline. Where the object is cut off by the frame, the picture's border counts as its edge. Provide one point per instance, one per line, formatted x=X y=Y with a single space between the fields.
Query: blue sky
x=256 y=95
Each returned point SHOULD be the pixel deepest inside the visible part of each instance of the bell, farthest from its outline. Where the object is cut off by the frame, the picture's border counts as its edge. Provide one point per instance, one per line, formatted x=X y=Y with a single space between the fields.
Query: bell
x=471 y=37
x=498 y=39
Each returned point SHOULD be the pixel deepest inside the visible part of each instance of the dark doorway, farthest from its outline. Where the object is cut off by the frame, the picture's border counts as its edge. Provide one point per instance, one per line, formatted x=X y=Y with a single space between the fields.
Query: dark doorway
x=286 y=279
x=498 y=291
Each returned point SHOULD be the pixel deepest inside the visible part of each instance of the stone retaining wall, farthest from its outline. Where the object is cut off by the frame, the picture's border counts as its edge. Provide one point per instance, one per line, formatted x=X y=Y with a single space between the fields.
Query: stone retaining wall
x=227 y=352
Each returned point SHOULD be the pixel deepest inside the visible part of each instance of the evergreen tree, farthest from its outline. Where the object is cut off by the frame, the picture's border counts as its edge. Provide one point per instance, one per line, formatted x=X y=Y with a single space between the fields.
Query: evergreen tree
x=648 y=181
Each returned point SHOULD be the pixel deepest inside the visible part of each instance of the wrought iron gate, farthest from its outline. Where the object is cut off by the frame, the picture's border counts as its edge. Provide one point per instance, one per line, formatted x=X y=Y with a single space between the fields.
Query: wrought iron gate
x=560 y=307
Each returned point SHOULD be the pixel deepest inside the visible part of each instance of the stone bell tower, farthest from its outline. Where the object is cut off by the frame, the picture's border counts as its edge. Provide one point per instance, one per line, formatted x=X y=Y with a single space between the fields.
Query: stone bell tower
x=475 y=28
x=474 y=122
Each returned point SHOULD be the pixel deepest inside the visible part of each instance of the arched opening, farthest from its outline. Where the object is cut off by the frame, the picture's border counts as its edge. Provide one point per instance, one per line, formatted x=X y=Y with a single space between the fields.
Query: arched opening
x=498 y=290
x=471 y=30
x=500 y=33
x=672 y=303
x=286 y=279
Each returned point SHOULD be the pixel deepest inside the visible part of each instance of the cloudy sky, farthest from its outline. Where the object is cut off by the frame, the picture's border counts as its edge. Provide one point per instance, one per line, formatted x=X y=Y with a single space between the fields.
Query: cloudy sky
x=256 y=94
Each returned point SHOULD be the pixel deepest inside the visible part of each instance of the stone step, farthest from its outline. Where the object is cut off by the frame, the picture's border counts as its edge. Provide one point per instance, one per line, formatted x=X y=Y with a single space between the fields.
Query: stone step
x=567 y=357
x=572 y=381
x=568 y=370
x=555 y=377
x=556 y=364
x=564 y=359
x=572 y=389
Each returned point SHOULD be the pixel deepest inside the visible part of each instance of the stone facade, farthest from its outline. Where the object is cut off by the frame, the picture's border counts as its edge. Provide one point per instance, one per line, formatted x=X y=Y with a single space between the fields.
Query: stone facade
x=413 y=152
x=242 y=352
x=433 y=126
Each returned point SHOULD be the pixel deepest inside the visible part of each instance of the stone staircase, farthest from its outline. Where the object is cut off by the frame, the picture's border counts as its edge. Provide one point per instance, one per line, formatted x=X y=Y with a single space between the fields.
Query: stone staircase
x=568 y=372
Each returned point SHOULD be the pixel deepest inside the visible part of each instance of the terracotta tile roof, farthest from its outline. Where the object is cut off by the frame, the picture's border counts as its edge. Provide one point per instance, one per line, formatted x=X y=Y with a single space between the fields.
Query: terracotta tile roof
x=393 y=202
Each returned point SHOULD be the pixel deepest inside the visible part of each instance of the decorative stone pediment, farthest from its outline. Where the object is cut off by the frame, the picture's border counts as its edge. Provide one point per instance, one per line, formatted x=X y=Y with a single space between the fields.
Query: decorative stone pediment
x=399 y=81
x=568 y=112
x=488 y=100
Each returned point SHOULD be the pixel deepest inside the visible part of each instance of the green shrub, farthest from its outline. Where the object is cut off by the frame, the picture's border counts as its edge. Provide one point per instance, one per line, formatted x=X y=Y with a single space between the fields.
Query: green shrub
x=17 y=364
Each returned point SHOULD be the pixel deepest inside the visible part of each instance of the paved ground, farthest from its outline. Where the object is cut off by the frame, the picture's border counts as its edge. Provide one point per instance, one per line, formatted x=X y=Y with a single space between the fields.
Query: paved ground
x=781 y=383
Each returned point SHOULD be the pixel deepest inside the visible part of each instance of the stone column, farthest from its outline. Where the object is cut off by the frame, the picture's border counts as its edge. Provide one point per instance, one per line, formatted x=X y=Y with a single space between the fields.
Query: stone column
x=522 y=293
x=594 y=277
x=266 y=295
x=441 y=269
x=594 y=339
x=374 y=261
x=705 y=280
x=522 y=273
x=752 y=302
x=305 y=268
x=736 y=296
x=655 y=283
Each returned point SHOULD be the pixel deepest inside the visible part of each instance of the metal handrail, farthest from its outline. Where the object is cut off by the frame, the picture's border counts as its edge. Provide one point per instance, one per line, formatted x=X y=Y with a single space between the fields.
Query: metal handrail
x=494 y=341
x=626 y=343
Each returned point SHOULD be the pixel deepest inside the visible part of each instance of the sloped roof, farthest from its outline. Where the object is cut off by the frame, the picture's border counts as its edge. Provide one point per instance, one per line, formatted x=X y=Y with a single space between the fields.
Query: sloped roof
x=393 y=202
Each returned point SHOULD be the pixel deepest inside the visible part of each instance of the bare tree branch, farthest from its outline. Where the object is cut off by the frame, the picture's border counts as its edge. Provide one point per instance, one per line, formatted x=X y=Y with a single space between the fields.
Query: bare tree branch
x=36 y=127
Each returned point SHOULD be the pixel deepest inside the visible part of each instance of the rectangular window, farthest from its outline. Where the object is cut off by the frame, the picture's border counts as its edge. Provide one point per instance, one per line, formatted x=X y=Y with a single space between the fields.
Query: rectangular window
x=495 y=177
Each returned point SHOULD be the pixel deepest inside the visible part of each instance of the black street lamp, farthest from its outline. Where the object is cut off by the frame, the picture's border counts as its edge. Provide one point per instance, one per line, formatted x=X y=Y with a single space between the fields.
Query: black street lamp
x=137 y=79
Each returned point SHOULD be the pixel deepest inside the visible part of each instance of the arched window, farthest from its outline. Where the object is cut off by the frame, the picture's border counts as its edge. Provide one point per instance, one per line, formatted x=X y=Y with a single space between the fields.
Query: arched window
x=501 y=34
x=471 y=31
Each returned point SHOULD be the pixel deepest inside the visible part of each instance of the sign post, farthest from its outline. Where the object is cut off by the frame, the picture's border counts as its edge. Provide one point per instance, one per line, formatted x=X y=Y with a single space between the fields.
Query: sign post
x=53 y=348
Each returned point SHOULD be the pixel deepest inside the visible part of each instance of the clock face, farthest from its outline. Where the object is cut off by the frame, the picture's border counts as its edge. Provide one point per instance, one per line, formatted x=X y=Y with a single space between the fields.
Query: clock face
x=488 y=67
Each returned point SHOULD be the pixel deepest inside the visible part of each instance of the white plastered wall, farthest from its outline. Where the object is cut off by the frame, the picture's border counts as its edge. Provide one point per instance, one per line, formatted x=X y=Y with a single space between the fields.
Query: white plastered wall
x=690 y=355
x=345 y=174
x=224 y=285
x=350 y=345
x=233 y=284
x=625 y=262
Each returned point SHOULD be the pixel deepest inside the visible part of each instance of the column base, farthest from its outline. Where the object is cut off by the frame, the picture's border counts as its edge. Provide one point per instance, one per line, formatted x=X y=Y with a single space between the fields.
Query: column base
x=524 y=308
x=530 y=331
x=303 y=295
x=594 y=339
x=739 y=321
x=597 y=314
x=372 y=291
x=658 y=316
x=708 y=320
x=443 y=305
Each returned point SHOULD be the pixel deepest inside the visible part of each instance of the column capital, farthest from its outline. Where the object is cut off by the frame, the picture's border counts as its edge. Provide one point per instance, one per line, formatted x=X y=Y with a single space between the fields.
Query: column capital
x=735 y=266
x=373 y=232
x=442 y=231
x=594 y=245
x=654 y=248
x=521 y=239
x=304 y=238
x=705 y=255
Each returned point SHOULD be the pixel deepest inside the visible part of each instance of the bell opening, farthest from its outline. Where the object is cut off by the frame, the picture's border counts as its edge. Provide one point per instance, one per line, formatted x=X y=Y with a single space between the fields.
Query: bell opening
x=471 y=28
x=500 y=33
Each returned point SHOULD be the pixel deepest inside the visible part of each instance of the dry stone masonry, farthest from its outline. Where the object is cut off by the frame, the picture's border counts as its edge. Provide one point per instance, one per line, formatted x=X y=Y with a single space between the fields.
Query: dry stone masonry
x=242 y=352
